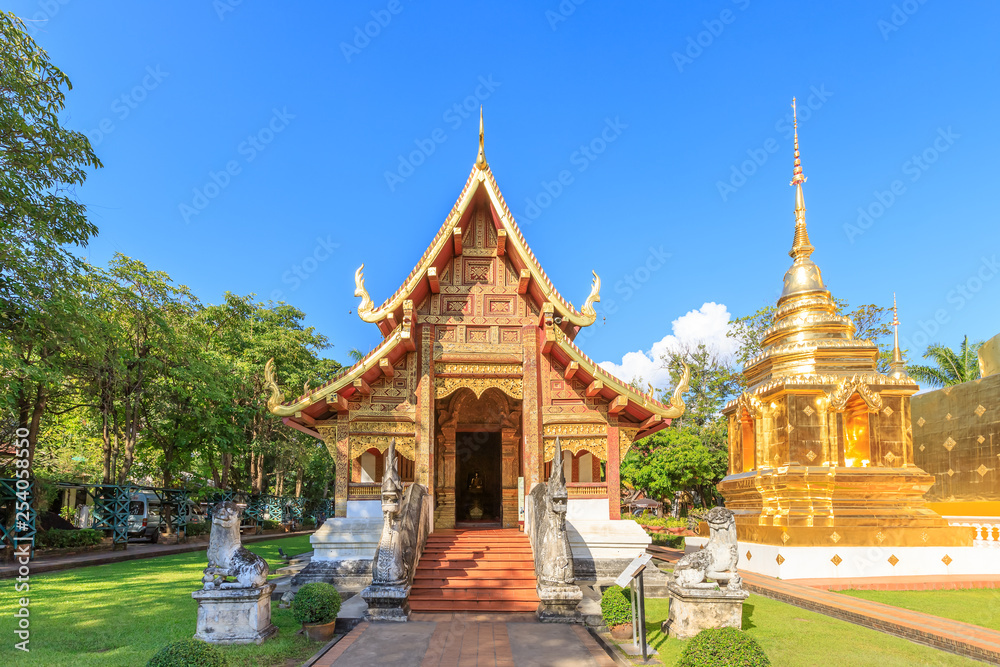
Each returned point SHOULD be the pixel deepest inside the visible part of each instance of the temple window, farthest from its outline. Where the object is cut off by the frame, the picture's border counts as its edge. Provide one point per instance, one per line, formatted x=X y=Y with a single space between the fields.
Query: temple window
x=749 y=442
x=585 y=467
x=857 y=445
x=369 y=467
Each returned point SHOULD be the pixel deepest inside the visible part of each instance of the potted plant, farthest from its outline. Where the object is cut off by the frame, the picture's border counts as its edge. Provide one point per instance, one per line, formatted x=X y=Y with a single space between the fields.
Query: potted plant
x=616 y=610
x=315 y=606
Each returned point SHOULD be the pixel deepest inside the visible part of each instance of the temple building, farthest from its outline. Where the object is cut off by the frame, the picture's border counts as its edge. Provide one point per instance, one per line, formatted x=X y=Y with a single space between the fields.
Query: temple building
x=956 y=439
x=822 y=477
x=475 y=376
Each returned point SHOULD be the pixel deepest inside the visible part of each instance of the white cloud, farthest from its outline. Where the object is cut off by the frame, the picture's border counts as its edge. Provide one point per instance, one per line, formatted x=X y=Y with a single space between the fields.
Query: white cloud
x=707 y=325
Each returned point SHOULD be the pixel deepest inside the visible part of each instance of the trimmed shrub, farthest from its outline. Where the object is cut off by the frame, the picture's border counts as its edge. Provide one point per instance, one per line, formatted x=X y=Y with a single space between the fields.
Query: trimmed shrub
x=616 y=606
x=664 y=521
x=63 y=539
x=723 y=647
x=316 y=603
x=196 y=529
x=188 y=653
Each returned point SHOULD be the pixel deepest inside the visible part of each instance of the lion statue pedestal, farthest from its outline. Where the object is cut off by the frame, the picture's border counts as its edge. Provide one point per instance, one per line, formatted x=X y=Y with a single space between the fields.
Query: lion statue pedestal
x=697 y=604
x=234 y=606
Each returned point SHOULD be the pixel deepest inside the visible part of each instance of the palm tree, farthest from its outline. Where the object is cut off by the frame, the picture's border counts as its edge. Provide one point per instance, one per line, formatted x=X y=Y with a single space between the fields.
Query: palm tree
x=356 y=354
x=950 y=367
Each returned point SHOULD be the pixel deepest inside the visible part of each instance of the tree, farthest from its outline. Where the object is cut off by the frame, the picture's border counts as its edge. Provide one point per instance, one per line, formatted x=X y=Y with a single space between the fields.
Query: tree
x=40 y=163
x=671 y=461
x=950 y=367
x=711 y=384
x=871 y=322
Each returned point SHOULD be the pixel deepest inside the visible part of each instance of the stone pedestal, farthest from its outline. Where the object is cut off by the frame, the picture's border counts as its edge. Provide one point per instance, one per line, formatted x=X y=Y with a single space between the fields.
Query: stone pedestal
x=387 y=603
x=235 y=615
x=559 y=604
x=343 y=549
x=695 y=609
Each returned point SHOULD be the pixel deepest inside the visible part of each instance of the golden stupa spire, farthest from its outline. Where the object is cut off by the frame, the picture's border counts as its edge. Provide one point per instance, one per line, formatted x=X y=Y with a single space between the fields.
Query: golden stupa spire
x=481 y=158
x=800 y=246
x=898 y=368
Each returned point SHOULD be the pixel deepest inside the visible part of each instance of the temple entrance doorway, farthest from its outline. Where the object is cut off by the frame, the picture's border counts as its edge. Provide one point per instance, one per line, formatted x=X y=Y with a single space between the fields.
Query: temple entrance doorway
x=478 y=487
x=477 y=459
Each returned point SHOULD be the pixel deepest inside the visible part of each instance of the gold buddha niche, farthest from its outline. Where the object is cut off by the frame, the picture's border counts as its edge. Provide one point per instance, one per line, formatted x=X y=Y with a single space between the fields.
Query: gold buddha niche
x=820 y=443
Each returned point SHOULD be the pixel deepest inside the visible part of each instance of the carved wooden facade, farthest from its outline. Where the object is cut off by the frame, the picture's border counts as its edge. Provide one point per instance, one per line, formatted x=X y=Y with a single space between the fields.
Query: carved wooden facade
x=477 y=340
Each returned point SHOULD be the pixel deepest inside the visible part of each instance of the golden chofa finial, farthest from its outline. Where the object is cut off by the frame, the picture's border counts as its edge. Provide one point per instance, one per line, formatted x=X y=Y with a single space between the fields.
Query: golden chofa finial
x=481 y=158
x=801 y=248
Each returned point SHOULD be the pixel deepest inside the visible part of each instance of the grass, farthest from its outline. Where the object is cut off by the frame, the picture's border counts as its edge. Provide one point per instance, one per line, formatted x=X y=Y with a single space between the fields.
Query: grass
x=979 y=606
x=122 y=613
x=794 y=637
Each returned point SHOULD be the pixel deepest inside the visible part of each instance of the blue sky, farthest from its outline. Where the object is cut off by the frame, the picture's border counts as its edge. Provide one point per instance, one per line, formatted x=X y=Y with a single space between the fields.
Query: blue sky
x=272 y=148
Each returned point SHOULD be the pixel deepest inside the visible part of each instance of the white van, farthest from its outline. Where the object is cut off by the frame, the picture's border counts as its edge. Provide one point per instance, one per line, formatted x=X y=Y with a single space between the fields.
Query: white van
x=144 y=516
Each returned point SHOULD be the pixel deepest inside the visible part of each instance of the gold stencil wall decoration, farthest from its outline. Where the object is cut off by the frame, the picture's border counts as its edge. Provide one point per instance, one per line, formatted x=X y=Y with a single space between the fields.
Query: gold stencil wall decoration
x=362 y=443
x=445 y=386
x=626 y=436
x=563 y=430
x=598 y=446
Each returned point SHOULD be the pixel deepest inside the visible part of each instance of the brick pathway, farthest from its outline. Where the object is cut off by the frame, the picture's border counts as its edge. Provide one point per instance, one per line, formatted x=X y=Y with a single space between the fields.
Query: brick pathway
x=928 y=583
x=467 y=640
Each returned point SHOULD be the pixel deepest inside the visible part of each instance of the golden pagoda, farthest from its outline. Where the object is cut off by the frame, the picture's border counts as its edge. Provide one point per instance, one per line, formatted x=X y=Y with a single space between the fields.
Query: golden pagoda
x=820 y=442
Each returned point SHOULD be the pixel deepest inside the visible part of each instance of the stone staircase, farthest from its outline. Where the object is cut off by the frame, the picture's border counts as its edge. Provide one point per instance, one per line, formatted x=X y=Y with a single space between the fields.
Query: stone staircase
x=475 y=571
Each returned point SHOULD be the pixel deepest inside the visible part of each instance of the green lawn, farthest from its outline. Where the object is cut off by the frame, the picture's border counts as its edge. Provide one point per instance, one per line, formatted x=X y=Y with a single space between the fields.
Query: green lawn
x=122 y=613
x=977 y=606
x=794 y=637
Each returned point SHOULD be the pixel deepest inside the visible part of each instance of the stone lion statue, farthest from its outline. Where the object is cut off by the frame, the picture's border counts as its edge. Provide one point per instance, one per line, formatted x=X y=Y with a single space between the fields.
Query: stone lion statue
x=717 y=560
x=227 y=557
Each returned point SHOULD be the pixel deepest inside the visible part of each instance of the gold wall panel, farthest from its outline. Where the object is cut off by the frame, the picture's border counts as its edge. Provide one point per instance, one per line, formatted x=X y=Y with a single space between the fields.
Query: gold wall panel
x=956 y=439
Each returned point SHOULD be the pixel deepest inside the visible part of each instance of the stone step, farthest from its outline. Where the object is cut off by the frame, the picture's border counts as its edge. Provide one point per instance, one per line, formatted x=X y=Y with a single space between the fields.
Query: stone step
x=475 y=564
x=497 y=606
x=480 y=554
x=473 y=573
x=464 y=582
x=522 y=594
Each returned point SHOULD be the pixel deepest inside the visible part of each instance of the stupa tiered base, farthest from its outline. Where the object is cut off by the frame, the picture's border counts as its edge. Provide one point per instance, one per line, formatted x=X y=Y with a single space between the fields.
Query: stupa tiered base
x=830 y=506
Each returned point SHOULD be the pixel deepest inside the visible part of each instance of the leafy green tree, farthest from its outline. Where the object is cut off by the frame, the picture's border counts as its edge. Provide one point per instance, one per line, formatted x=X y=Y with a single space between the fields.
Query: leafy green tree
x=950 y=367
x=712 y=383
x=671 y=461
x=40 y=162
x=871 y=322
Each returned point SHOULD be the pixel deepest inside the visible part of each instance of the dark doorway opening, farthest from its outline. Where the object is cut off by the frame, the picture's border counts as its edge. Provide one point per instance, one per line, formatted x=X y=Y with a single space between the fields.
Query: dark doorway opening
x=478 y=494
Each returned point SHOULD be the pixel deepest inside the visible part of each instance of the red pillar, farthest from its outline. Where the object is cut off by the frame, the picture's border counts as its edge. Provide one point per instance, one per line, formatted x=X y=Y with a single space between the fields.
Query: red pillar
x=613 y=481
